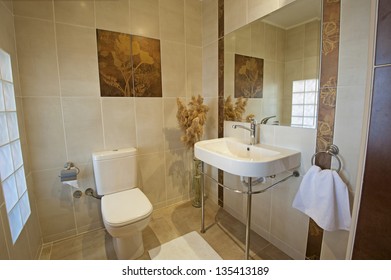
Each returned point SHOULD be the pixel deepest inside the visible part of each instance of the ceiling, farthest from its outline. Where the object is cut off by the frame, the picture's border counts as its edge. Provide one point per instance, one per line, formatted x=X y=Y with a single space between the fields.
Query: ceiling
x=295 y=14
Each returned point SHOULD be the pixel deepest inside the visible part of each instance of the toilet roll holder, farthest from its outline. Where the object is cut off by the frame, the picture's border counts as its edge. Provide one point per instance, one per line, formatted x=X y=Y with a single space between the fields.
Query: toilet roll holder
x=69 y=173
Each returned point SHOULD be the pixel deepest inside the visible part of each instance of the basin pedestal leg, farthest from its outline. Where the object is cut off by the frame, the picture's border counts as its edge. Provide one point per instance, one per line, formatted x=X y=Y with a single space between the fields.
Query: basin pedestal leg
x=248 y=219
x=203 y=199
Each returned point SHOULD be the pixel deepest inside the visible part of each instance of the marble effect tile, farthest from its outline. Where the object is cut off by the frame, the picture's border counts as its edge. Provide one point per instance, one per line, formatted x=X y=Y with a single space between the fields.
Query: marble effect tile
x=224 y=233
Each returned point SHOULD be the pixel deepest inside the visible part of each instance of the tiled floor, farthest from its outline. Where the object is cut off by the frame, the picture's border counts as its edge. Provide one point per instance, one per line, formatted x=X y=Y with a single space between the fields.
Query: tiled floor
x=225 y=234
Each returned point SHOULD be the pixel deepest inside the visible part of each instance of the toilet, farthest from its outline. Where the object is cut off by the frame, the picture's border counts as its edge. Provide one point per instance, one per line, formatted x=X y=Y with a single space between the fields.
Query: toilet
x=126 y=211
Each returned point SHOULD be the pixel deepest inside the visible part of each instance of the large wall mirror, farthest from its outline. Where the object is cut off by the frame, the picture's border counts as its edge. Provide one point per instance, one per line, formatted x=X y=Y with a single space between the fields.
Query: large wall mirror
x=274 y=62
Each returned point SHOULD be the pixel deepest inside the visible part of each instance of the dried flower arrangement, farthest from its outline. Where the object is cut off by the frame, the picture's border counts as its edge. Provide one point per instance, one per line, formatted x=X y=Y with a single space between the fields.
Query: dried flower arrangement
x=191 y=120
x=235 y=112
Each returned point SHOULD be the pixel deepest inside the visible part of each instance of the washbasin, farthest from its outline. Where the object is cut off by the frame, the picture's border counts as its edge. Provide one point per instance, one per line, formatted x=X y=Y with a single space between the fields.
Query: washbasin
x=236 y=157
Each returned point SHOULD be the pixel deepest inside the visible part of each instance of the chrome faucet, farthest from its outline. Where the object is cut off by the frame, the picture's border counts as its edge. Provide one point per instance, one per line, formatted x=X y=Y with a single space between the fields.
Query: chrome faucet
x=252 y=129
x=264 y=120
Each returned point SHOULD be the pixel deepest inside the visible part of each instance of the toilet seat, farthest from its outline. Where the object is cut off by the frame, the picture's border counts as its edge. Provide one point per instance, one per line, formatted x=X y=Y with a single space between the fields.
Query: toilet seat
x=125 y=207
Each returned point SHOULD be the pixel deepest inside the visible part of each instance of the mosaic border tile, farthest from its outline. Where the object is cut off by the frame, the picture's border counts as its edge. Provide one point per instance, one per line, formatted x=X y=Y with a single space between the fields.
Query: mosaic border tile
x=327 y=104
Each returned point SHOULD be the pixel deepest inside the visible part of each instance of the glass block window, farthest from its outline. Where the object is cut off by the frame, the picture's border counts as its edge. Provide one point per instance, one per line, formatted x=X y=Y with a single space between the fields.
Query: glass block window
x=304 y=103
x=12 y=177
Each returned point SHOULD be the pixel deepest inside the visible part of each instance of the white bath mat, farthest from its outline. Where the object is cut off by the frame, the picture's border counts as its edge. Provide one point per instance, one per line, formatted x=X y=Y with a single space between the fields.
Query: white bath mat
x=190 y=246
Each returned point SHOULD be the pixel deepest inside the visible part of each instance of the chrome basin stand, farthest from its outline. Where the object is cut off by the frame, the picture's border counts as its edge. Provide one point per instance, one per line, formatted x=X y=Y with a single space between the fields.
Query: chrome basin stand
x=248 y=219
x=249 y=194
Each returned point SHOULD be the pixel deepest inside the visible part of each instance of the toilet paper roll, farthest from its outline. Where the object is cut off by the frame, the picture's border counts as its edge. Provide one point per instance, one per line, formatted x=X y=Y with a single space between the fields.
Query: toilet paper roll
x=72 y=183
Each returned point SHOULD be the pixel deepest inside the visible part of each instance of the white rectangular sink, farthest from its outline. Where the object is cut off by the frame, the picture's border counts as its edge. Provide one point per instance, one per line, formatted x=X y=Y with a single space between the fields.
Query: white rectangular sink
x=235 y=157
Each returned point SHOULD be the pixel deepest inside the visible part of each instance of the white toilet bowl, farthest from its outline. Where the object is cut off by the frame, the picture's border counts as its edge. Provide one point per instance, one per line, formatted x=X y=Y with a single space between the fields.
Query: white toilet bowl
x=125 y=215
x=126 y=210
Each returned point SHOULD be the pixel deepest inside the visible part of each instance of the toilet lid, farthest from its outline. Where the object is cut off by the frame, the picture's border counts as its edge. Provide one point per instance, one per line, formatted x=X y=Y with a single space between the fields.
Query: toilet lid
x=125 y=207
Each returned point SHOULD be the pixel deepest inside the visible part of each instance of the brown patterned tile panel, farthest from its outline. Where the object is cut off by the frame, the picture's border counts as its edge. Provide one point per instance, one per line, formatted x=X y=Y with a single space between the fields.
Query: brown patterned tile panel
x=330 y=41
x=220 y=19
x=383 y=40
x=220 y=93
x=327 y=104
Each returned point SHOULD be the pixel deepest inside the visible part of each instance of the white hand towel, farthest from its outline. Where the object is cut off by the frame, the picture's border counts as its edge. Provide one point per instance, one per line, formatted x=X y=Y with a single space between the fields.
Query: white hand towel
x=324 y=197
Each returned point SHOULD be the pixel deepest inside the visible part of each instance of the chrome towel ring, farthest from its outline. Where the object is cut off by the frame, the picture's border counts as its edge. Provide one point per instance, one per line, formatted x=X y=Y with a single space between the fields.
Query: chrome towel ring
x=333 y=151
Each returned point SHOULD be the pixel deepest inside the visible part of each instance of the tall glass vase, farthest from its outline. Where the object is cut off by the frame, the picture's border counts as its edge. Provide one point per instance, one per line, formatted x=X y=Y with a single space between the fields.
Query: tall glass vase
x=196 y=182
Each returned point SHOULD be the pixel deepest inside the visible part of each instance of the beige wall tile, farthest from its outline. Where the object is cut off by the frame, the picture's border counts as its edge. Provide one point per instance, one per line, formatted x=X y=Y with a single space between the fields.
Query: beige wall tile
x=151 y=177
x=270 y=42
x=255 y=106
x=354 y=54
x=7 y=35
x=113 y=15
x=281 y=43
x=172 y=132
x=33 y=226
x=83 y=128
x=260 y=8
x=229 y=43
x=312 y=39
x=7 y=43
x=46 y=252
x=209 y=21
x=95 y=245
x=280 y=76
x=229 y=74
x=144 y=19
x=293 y=72
x=22 y=135
x=209 y=70
x=87 y=209
x=288 y=224
x=258 y=39
x=37 y=50
x=173 y=69
x=1 y=195
x=348 y=125
x=77 y=59
x=193 y=71
x=40 y=9
x=354 y=34
x=285 y=2
x=193 y=22
x=269 y=79
x=235 y=15
x=242 y=39
x=262 y=204
x=172 y=23
x=4 y=255
x=234 y=202
x=54 y=204
x=9 y=5
x=75 y=12
x=45 y=132
x=149 y=122
x=311 y=68
x=119 y=122
x=21 y=249
x=295 y=43
x=211 y=128
x=177 y=174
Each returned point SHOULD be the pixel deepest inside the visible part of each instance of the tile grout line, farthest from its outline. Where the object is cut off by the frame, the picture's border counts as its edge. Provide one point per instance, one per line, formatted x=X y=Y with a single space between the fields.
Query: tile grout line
x=62 y=109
